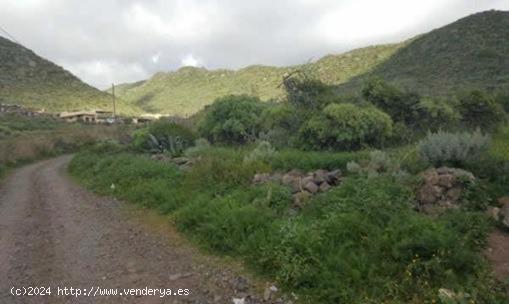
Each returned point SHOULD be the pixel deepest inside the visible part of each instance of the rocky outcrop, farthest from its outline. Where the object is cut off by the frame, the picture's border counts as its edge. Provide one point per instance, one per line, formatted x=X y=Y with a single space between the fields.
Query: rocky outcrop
x=442 y=189
x=303 y=186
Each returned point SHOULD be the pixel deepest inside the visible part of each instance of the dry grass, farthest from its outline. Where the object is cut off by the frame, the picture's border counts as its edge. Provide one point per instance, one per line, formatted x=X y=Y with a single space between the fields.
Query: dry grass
x=31 y=145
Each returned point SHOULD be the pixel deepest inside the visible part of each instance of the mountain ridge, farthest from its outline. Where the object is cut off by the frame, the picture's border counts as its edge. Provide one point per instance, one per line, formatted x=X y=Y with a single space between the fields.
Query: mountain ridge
x=425 y=63
x=32 y=81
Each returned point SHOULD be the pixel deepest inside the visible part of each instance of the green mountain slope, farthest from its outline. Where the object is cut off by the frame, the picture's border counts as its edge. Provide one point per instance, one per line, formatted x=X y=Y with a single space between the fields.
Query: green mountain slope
x=29 y=80
x=472 y=52
x=189 y=89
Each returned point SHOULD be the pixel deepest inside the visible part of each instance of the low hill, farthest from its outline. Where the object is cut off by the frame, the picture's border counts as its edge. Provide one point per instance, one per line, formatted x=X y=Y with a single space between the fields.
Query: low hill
x=472 y=52
x=32 y=81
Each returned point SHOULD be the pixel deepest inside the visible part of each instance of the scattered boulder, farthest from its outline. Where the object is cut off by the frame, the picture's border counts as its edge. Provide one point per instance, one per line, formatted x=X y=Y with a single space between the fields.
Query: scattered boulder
x=442 y=189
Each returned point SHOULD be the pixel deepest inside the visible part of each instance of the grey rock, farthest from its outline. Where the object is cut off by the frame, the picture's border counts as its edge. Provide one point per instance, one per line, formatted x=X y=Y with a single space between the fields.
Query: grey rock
x=320 y=176
x=446 y=180
x=311 y=187
x=334 y=177
x=324 y=187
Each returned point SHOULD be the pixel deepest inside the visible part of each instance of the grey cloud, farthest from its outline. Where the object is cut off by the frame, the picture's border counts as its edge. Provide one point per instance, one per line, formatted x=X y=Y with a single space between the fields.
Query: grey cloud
x=114 y=41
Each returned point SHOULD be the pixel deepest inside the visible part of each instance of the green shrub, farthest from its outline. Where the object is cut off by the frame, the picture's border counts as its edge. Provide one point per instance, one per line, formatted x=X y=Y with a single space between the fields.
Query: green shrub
x=401 y=106
x=480 y=110
x=502 y=98
x=303 y=91
x=200 y=145
x=280 y=124
x=346 y=127
x=162 y=128
x=263 y=152
x=379 y=163
x=286 y=160
x=437 y=114
x=443 y=148
x=232 y=120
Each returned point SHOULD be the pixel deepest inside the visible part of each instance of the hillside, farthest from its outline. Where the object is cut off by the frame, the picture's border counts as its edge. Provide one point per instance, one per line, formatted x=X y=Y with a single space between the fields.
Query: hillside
x=189 y=89
x=29 y=80
x=472 y=52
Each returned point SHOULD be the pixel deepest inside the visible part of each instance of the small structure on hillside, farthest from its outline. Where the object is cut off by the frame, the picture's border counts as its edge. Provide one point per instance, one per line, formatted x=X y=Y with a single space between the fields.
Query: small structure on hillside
x=97 y=116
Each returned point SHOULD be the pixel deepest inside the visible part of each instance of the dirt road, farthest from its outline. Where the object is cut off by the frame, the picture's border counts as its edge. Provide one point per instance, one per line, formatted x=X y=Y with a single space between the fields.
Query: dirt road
x=54 y=233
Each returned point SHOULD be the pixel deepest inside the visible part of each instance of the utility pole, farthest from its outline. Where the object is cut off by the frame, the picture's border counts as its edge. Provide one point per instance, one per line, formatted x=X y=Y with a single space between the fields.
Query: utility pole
x=114 y=109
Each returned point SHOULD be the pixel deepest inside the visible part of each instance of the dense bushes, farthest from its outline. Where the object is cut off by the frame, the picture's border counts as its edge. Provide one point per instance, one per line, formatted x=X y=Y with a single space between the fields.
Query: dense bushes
x=401 y=106
x=313 y=116
x=443 y=148
x=480 y=110
x=345 y=127
x=232 y=120
x=280 y=124
x=303 y=91
x=437 y=114
x=359 y=243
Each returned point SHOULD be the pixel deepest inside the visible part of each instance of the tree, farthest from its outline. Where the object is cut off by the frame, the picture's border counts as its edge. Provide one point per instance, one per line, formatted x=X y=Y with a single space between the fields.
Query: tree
x=233 y=119
x=303 y=91
x=345 y=127
x=401 y=106
x=480 y=110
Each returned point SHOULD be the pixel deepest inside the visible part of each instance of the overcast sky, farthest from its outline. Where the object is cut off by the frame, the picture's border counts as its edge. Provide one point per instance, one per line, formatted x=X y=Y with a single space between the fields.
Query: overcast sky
x=105 y=41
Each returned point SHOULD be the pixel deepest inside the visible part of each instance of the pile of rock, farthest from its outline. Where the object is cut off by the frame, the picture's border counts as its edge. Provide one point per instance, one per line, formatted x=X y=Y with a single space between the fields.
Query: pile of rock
x=303 y=185
x=501 y=213
x=442 y=189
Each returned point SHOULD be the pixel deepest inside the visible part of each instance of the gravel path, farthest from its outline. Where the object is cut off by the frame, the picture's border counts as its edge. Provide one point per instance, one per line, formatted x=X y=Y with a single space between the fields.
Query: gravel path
x=54 y=233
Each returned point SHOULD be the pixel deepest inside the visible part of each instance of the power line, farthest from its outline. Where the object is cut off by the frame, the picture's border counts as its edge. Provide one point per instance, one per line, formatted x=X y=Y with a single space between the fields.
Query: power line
x=9 y=35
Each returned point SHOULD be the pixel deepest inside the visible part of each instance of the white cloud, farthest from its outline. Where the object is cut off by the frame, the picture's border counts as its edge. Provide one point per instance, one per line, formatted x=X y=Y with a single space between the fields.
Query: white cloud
x=189 y=60
x=180 y=20
x=364 y=19
x=155 y=58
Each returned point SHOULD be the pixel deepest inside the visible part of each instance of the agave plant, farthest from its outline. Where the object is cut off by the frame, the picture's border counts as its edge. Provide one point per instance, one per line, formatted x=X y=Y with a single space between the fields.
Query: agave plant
x=170 y=144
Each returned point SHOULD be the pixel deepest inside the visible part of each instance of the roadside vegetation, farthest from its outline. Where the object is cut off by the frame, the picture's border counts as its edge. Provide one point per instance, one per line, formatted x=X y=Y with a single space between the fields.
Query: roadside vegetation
x=366 y=240
x=25 y=139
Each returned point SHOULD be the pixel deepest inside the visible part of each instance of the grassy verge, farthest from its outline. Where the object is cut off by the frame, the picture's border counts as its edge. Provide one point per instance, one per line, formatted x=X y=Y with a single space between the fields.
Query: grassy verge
x=359 y=243
x=24 y=139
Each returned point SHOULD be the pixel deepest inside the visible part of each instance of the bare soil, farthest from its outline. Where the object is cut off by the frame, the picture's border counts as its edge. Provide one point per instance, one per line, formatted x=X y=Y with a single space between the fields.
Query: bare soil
x=55 y=233
x=498 y=254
